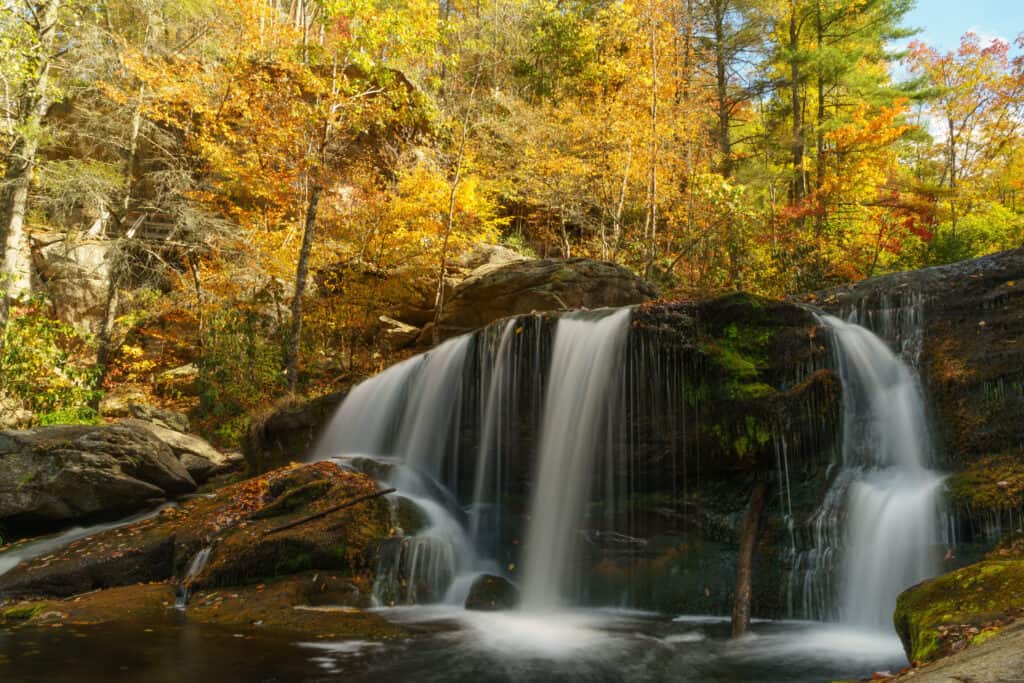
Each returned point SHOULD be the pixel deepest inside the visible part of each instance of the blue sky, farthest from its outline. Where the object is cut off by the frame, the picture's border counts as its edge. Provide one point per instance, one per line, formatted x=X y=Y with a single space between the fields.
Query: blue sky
x=944 y=21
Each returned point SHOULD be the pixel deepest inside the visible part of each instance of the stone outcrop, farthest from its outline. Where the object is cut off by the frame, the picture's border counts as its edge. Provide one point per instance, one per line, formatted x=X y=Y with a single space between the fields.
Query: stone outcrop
x=200 y=458
x=63 y=473
x=76 y=276
x=58 y=474
x=516 y=288
x=288 y=431
x=241 y=524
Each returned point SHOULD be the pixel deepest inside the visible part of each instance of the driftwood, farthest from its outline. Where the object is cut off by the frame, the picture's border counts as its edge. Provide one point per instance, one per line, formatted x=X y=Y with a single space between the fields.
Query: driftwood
x=330 y=510
x=745 y=561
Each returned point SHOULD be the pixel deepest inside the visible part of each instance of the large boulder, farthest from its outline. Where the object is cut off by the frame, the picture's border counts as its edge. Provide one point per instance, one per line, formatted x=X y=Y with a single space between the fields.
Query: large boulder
x=520 y=287
x=76 y=275
x=245 y=526
x=62 y=473
x=946 y=614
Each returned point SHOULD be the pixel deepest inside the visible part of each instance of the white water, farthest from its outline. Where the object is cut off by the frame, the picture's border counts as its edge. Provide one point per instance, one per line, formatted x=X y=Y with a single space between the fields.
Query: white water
x=889 y=495
x=195 y=568
x=406 y=419
x=586 y=357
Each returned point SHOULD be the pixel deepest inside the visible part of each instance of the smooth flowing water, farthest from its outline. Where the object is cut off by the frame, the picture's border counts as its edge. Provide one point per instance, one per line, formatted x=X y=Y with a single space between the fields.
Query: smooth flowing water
x=889 y=496
x=585 y=362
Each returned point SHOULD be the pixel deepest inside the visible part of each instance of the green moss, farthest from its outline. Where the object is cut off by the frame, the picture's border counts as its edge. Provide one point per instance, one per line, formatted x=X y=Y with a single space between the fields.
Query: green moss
x=991 y=483
x=976 y=595
x=983 y=636
x=23 y=611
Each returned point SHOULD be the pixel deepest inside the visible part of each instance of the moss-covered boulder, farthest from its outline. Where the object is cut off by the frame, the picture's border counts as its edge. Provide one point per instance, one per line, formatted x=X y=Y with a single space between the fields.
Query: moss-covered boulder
x=943 y=615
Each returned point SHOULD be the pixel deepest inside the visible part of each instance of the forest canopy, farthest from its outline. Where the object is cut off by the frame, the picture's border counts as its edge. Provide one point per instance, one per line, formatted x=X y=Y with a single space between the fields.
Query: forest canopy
x=228 y=151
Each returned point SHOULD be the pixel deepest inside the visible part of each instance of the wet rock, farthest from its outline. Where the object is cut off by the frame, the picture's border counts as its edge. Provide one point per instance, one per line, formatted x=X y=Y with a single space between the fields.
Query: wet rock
x=310 y=604
x=539 y=285
x=491 y=593
x=240 y=524
x=964 y=325
x=67 y=472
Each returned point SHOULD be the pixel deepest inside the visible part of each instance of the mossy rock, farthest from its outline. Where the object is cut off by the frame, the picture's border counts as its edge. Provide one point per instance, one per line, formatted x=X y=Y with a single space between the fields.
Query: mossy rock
x=935 y=617
x=410 y=516
x=291 y=478
x=992 y=483
x=23 y=611
x=491 y=593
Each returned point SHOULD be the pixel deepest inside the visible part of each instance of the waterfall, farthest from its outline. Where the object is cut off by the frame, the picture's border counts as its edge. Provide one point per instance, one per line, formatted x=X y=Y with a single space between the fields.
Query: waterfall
x=406 y=421
x=195 y=568
x=585 y=361
x=883 y=507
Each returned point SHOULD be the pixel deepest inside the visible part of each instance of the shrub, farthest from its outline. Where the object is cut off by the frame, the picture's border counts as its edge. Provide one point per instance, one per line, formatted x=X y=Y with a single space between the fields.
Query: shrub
x=47 y=366
x=240 y=369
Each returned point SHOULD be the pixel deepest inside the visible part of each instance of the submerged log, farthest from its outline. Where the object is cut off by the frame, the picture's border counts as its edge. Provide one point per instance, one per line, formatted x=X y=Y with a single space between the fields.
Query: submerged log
x=745 y=561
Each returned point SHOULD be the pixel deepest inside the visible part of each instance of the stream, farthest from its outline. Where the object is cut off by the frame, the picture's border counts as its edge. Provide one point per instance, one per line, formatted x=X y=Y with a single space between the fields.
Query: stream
x=576 y=645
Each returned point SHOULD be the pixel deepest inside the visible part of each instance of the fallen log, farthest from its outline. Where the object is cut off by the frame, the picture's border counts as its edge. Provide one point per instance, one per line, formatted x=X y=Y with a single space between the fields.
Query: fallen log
x=330 y=510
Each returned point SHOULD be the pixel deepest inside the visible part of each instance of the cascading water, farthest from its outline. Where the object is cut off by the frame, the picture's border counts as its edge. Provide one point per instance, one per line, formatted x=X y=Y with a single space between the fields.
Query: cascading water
x=499 y=439
x=405 y=420
x=882 y=510
x=586 y=357
x=195 y=568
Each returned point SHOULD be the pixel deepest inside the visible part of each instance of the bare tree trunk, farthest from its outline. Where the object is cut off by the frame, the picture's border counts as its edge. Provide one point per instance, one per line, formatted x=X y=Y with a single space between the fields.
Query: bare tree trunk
x=952 y=177
x=117 y=267
x=617 y=225
x=449 y=223
x=745 y=561
x=798 y=189
x=104 y=346
x=820 y=216
x=301 y=274
x=15 y=270
x=722 y=90
x=448 y=226
x=652 y=198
